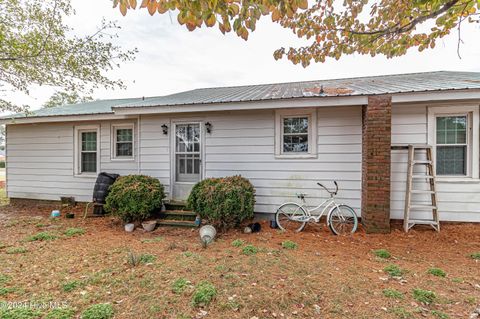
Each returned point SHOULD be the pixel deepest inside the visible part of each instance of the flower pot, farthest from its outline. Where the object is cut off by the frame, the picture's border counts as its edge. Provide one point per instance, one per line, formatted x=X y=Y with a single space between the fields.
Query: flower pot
x=70 y=215
x=129 y=227
x=207 y=234
x=55 y=213
x=149 y=225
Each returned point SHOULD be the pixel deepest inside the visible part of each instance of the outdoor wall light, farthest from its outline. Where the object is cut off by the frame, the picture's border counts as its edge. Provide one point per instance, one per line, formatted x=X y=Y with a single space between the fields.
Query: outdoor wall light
x=165 y=129
x=208 y=127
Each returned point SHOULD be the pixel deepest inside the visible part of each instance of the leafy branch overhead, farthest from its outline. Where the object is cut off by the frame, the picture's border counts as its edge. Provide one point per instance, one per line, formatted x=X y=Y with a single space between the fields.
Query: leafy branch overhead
x=330 y=28
x=38 y=48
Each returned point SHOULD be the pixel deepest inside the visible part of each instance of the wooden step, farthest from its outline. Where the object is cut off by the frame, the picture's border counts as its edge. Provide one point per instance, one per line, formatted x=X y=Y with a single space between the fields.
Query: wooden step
x=175 y=205
x=423 y=176
x=422 y=191
x=422 y=162
x=178 y=223
x=422 y=222
x=179 y=213
x=428 y=207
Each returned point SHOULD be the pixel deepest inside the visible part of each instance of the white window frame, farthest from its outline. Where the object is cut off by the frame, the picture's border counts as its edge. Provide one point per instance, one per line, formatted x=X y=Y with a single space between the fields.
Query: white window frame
x=77 y=151
x=311 y=114
x=472 y=113
x=114 y=128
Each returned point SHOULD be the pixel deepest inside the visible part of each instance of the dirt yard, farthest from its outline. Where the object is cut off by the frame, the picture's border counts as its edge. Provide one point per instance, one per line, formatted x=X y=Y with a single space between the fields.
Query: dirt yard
x=312 y=275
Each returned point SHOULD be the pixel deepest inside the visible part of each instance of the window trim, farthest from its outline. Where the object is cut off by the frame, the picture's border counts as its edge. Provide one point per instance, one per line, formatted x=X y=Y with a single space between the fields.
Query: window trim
x=472 y=113
x=113 y=142
x=77 y=152
x=311 y=114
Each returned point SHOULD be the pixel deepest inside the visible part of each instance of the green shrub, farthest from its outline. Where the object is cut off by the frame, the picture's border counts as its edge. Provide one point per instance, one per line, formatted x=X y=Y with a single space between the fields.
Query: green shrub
x=475 y=256
x=70 y=232
x=134 y=197
x=394 y=270
x=204 y=294
x=249 y=250
x=42 y=236
x=16 y=250
x=237 y=243
x=392 y=293
x=424 y=296
x=61 y=313
x=19 y=313
x=179 y=285
x=223 y=202
x=288 y=244
x=98 y=311
x=437 y=272
x=382 y=253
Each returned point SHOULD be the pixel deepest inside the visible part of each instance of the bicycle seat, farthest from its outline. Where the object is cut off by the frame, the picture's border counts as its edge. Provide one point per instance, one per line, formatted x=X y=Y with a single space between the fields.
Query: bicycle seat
x=301 y=195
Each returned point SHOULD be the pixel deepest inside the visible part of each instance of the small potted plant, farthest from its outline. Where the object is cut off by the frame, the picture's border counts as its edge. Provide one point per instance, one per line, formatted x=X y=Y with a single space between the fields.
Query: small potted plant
x=134 y=198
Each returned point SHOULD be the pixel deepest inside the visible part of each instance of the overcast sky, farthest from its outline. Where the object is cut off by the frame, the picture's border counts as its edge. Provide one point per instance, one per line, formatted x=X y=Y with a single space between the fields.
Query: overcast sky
x=172 y=59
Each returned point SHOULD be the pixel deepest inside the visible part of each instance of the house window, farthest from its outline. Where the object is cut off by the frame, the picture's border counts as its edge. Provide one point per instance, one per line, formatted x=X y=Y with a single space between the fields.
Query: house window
x=452 y=145
x=453 y=131
x=296 y=133
x=88 y=151
x=123 y=141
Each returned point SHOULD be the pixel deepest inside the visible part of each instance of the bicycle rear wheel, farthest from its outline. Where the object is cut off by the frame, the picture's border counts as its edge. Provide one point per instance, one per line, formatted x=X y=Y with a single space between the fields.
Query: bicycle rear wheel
x=342 y=220
x=291 y=217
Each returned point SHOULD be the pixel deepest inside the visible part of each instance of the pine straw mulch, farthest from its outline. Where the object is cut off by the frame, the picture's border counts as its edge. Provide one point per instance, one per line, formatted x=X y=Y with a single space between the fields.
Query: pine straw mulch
x=325 y=277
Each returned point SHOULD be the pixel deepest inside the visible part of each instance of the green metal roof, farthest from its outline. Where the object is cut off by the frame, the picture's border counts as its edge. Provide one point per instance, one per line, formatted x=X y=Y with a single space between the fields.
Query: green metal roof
x=360 y=86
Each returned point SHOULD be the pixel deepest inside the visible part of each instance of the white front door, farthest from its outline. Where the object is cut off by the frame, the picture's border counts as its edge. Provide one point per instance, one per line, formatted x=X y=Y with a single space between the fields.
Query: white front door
x=187 y=158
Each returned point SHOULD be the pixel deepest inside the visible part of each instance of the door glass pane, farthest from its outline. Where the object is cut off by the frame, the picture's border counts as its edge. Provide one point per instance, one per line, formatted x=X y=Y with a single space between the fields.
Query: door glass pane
x=187 y=140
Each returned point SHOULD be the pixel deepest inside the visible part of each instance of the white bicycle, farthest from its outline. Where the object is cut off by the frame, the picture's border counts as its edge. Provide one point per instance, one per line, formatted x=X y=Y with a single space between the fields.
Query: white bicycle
x=341 y=218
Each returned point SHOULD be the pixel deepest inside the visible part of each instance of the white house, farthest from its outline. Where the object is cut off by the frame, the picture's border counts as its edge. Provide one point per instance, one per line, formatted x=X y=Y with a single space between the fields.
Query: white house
x=283 y=137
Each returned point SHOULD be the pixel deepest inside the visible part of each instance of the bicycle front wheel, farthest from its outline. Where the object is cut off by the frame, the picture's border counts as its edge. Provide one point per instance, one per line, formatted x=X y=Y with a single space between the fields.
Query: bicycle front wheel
x=342 y=220
x=291 y=217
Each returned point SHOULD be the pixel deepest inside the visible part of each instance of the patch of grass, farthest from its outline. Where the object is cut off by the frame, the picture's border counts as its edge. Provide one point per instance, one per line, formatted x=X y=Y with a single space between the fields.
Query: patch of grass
x=458 y=280
x=5 y=291
x=401 y=313
x=61 y=313
x=382 y=253
x=424 y=296
x=152 y=240
x=440 y=314
x=471 y=300
x=42 y=236
x=437 y=272
x=2 y=245
x=237 y=243
x=4 y=279
x=475 y=256
x=189 y=254
x=138 y=259
x=204 y=293
x=19 y=313
x=179 y=285
x=98 y=311
x=71 y=285
x=288 y=244
x=249 y=250
x=16 y=250
x=71 y=232
x=392 y=293
x=394 y=271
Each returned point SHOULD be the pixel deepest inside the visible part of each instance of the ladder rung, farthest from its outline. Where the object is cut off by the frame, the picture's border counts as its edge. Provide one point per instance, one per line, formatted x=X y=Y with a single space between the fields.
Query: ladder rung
x=422 y=162
x=422 y=222
x=423 y=176
x=422 y=207
x=421 y=191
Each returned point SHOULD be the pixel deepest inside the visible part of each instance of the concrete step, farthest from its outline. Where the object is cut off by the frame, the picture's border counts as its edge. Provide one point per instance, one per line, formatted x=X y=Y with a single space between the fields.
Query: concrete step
x=175 y=205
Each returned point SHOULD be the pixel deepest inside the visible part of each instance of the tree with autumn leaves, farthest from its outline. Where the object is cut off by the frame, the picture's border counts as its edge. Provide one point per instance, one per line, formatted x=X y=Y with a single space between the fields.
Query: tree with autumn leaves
x=331 y=28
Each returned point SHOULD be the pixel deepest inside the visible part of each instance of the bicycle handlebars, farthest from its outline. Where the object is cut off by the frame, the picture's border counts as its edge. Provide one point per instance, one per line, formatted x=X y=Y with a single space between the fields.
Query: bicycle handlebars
x=331 y=192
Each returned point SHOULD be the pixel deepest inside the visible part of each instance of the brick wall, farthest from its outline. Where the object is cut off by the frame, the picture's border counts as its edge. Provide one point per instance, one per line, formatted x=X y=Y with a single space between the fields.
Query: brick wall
x=376 y=144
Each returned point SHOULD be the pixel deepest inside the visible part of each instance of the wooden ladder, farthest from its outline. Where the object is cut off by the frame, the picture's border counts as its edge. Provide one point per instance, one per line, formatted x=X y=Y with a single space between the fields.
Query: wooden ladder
x=429 y=177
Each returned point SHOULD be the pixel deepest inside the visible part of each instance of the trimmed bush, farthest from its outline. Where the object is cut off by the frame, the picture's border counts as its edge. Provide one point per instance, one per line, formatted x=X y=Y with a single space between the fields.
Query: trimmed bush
x=134 y=197
x=223 y=202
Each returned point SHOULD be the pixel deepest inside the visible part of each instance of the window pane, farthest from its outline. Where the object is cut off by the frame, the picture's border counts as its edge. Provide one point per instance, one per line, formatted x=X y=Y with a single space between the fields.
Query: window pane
x=89 y=162
x=452 y=130
x=125 y=149
x=89 y=141
x=124 y=135
x=451 y=160
x=295 y=143
x=295 y=125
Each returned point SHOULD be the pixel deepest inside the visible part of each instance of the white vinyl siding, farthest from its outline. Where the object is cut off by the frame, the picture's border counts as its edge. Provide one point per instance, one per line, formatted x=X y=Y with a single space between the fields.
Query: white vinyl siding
x=458 y=198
